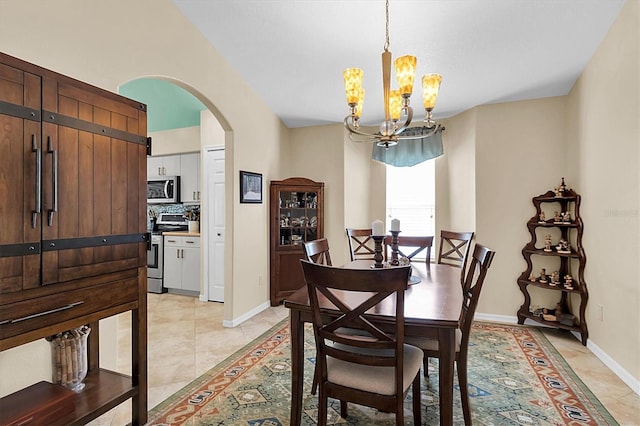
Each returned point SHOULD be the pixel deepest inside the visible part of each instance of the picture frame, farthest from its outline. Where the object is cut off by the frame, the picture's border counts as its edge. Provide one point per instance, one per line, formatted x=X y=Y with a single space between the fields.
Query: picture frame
x=250 y=187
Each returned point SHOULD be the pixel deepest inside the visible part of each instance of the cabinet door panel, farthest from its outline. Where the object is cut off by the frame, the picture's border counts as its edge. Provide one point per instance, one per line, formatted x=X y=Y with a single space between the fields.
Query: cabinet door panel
x=99 y=190
x=19 y=130
x=191 y=269
x=172 y=267
x=190 y=177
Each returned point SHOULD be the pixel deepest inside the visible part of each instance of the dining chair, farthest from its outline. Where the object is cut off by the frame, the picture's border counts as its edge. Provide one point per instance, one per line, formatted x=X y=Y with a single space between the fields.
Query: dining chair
x=361 y=245
x=454 y=248
x=410 y=244
x=478 y=265
x=317 y=251
x=371 y=368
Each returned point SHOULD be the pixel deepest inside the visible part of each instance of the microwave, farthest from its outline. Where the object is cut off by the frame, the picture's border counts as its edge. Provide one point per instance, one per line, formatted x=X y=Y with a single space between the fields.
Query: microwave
x=163 y=189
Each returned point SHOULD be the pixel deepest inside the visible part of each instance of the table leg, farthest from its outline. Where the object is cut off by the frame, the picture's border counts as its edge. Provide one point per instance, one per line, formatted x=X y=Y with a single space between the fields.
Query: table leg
x=446 y=341
x=297 y=367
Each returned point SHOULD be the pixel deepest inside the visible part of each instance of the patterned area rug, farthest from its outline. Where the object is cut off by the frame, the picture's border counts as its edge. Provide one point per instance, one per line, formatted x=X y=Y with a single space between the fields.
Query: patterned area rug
x=515 y=378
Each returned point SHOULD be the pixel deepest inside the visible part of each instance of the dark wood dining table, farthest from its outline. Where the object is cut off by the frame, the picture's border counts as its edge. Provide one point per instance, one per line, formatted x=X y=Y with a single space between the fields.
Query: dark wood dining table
x=432 y=309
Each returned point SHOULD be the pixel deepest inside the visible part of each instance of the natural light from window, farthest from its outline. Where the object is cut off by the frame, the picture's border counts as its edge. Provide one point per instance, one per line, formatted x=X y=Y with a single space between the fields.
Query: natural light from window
x=411 y=198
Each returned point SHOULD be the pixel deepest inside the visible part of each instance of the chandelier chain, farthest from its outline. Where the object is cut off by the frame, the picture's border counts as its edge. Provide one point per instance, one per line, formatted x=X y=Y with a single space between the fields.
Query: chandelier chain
x=386 y=43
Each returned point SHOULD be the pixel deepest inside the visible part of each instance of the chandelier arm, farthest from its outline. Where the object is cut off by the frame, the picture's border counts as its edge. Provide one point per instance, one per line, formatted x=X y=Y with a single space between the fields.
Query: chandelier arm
x=438 y=128
x=352 y=130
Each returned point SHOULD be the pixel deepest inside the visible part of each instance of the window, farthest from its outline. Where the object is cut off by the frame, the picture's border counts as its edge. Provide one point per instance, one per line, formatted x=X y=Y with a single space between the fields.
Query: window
x=411 y=198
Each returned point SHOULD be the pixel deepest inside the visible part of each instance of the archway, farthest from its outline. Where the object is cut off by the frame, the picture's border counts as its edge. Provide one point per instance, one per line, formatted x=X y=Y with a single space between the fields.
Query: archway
x=173 y=103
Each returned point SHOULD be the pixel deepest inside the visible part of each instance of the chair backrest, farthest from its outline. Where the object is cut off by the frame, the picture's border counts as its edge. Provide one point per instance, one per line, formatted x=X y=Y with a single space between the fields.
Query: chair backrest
x=409 y=246
x=317 y=251
x=354 y=292
x=361 y=245
x=479 y=263
x=454 y=248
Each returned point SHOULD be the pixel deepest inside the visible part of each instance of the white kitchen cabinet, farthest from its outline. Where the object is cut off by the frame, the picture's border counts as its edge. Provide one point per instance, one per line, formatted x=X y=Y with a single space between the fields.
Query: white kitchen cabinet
x=182 y=263
x=190 y=177
x=163 y=165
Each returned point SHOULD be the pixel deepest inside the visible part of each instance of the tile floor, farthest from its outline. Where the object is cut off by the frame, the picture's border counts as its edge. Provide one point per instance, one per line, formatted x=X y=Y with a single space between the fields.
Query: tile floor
x=186 y=338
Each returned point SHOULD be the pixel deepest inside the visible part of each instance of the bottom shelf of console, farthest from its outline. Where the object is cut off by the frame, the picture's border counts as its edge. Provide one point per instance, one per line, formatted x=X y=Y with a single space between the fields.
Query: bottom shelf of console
x=103 y=391
x=43 y=403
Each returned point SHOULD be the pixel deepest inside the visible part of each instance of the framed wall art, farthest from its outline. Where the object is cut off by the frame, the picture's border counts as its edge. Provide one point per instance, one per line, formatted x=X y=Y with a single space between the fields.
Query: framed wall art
x=250 y=187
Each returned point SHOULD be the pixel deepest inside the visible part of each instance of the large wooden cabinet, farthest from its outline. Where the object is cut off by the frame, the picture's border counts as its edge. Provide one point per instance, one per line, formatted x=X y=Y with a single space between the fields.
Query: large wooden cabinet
x=296 y=216
x=73 y=229
x=556 y=253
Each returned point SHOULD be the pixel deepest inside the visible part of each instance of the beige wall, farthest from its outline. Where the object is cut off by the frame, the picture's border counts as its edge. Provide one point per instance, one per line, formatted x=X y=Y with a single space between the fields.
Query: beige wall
x=318 y=153
x=455 y=176
x=603 y=123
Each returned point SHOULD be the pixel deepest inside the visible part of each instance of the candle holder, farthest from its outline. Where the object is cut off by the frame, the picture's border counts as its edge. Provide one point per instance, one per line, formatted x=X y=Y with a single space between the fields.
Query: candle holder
x=394 y=248
x=377 y=257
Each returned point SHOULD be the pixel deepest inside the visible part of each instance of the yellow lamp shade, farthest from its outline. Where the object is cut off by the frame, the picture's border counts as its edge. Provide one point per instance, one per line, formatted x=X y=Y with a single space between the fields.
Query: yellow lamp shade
x=430 y=87
x=395 y=105
x=405 y=72
x=353 y=84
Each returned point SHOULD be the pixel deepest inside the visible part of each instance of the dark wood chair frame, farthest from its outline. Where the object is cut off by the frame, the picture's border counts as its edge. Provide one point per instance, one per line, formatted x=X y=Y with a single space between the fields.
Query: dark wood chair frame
x=317 y=251
x=322 y=283
x=479 y=263
x=361 y=245
x=418 y=243
x=454 y=248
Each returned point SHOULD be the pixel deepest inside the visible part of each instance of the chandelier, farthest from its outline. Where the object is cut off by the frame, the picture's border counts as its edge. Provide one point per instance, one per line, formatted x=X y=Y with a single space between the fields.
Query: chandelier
x=396 y=102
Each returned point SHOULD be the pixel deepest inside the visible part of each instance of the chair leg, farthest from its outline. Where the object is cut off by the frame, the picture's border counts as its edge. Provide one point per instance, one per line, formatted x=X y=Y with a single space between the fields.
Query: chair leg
x=343 y=409
x=425 y=366
x=464 y=387
x=314 y=384
x=417 y=414
x=322 y=409
x=400 y=409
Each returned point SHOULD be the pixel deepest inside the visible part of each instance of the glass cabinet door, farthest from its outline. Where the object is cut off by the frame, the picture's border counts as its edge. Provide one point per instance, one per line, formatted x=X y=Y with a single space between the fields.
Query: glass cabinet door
x=298 y=217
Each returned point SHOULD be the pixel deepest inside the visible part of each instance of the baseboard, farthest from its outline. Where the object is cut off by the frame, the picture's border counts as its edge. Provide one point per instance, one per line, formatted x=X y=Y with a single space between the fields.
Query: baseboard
x=617 y=369
x=609 y=362
x=237 y=321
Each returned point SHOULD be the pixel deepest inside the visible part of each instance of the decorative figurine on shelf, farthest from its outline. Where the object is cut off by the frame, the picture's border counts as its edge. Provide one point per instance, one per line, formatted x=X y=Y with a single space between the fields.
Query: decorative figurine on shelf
x=563 y=188
x=549 y=314
x=566 y=217
x=542 y=217
x=547 y=243
x=568 y=282
x=555 y=278
x=556 y=217
x=532 y=278
x=563 y=246
x=558 y=311
x=556 y=190
x=543 y=276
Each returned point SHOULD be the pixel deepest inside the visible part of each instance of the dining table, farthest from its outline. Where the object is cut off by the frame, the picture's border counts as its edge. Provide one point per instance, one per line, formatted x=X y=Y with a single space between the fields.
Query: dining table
x=433 y=304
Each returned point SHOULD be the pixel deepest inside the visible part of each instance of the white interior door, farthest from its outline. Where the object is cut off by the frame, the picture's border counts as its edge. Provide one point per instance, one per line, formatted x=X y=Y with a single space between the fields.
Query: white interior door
x=214 y=160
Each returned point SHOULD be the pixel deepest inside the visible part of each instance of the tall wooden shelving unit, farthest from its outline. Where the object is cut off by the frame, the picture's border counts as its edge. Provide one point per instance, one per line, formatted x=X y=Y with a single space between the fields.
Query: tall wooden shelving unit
x=567 y=262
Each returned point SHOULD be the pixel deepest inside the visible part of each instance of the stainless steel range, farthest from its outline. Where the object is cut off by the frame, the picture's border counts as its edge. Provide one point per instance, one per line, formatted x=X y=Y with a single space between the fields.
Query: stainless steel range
x=155 y=257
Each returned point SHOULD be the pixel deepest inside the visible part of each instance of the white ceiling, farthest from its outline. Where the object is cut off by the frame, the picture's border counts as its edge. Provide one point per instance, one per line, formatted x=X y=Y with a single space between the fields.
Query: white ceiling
x=293 y=52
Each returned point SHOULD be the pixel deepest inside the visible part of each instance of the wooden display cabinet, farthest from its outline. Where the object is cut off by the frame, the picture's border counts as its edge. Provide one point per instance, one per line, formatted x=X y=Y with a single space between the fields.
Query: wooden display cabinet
x=569 y=260
x=296 y=216
x=73 y=228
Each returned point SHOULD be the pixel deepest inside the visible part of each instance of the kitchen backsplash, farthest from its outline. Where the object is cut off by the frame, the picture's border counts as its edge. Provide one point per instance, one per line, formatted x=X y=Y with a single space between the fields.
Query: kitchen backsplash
x=155 y=209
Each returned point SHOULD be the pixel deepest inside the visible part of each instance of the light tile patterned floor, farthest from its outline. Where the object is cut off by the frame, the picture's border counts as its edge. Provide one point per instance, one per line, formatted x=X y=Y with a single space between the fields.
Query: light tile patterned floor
x=186 y=338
